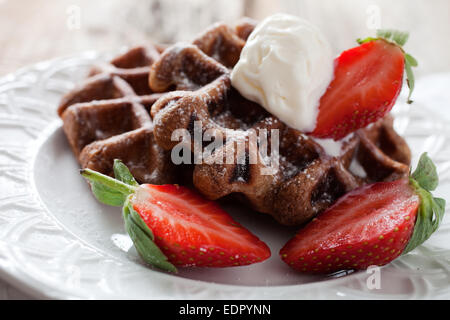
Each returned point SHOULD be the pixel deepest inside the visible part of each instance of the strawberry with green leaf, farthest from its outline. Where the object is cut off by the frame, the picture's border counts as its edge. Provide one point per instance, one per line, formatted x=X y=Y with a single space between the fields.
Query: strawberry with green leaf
x=367 y=82
x=372 y=225
x=171 y=225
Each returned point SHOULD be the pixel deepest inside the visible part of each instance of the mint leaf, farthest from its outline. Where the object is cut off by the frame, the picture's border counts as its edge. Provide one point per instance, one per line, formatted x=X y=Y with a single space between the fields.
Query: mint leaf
x=426 y=174
x=122 y=173
x=143 y=239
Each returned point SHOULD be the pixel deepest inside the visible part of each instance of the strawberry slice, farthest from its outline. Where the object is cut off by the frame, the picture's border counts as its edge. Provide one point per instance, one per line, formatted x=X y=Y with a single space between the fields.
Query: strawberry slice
x=367 y=81
x=192 y=231
x=173 y=226
x=372 y=225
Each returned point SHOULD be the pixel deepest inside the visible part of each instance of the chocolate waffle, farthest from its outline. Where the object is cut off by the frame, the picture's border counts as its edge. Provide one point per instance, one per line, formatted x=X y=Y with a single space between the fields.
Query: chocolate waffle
x=224 y=43
x=107 y=117
x=307 y=181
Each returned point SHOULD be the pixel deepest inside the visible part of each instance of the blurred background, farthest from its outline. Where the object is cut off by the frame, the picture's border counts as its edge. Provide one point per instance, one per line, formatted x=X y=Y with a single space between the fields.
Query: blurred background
x=32 y=31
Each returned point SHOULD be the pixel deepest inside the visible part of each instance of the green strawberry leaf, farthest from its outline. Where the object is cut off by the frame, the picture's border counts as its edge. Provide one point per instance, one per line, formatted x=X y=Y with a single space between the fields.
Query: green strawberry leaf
x=368 y=39
x=122 y=173
x=143 y=239
x=410 y=80
x=107 y=190
x=431 y=210
x=108 y=195
x=384 y=33
x=439 y=210
x=426 y=174
x=411 y=60
x=400 y=38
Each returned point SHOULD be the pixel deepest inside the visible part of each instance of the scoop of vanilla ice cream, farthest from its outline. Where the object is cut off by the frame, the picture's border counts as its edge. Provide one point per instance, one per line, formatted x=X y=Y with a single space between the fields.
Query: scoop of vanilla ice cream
x=285 y=66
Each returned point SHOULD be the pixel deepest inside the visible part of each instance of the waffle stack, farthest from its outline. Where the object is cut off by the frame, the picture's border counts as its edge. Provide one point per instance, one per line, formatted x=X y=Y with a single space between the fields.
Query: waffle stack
x=130 y=108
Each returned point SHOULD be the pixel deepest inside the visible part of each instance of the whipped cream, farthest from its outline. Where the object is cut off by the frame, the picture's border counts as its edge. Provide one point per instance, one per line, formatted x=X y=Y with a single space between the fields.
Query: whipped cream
x=331 y=147
x=285 y=66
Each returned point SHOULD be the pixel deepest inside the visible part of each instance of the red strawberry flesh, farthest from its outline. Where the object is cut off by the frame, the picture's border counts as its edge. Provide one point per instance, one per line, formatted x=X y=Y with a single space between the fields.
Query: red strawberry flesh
x=368 y=226
x=192 y=231
x=367 y=82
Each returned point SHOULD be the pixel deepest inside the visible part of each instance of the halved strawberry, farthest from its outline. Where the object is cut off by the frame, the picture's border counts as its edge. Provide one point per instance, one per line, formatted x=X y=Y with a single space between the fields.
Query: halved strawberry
x=372 y=225
x=173 y=225
x=192 y=231
x=367 y=81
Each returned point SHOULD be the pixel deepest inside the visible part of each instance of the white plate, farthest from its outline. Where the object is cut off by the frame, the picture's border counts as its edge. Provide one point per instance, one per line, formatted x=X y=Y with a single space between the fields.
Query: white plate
x=56 y=241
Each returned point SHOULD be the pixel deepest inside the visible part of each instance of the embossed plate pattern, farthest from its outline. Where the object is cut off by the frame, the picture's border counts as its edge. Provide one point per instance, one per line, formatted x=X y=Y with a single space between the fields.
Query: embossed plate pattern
x=57 y=242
